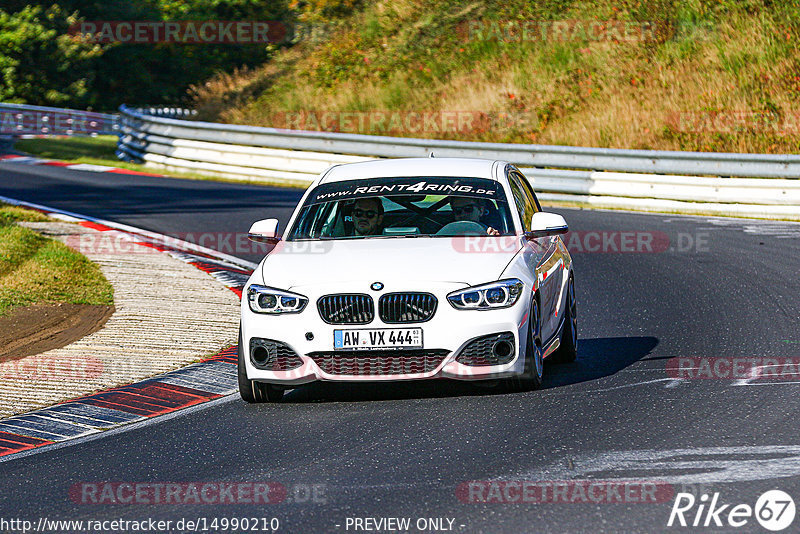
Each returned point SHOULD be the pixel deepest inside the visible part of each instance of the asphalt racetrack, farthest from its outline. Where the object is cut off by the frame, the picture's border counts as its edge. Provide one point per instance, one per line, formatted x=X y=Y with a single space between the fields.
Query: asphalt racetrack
x=645 y=413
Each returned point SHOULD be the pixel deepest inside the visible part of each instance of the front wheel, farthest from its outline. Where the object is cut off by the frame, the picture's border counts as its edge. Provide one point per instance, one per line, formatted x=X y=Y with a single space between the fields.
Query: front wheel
x=534 y=365
x=568 y=349
x=250 y=390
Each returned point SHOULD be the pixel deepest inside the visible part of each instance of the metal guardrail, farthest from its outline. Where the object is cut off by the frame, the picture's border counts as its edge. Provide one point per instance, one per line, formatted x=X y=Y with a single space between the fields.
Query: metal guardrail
x=22 y=119
x=742 y=184
x=169 y=112
x=543 y=156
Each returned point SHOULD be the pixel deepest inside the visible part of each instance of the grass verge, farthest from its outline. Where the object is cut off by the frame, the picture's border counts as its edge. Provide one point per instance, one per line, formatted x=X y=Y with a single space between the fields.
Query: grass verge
x=78 y=149
x=100 y=150
x=36 y=269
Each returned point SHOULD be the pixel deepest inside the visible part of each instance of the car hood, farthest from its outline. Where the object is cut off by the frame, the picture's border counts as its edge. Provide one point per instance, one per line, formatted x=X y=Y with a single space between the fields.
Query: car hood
x=468 y=260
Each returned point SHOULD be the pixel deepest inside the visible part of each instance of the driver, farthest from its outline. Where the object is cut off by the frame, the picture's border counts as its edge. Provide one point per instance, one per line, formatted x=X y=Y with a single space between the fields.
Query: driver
x=470 y=209
x=368 y=216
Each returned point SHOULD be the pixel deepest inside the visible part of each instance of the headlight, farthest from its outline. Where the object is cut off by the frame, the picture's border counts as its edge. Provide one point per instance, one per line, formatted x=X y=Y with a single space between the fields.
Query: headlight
x=263 y=299
x=500 y=294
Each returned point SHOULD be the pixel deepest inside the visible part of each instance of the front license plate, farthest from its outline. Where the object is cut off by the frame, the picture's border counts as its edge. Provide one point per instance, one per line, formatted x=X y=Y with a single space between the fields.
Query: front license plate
x=377 y=338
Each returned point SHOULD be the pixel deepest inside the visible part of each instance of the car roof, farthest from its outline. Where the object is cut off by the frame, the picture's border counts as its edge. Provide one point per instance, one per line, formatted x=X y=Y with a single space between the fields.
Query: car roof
x=384 y=168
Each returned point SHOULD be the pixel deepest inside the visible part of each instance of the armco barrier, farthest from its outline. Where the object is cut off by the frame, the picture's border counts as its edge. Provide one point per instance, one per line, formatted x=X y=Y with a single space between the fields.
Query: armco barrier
x=27 y=120
x=142 y=125
x=760 y=185
x=24 y=120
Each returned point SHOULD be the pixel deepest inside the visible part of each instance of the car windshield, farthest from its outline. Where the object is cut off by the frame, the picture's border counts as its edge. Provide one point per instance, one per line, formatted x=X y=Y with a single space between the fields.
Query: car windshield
x=404 y=207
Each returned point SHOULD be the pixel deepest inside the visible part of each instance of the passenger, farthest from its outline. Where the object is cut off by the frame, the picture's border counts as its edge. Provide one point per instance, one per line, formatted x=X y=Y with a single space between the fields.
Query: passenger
x=368 y=216
x=470 y=209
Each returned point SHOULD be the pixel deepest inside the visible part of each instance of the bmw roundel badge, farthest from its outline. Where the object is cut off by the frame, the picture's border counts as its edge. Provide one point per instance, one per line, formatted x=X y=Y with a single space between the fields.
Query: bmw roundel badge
x=376 y=286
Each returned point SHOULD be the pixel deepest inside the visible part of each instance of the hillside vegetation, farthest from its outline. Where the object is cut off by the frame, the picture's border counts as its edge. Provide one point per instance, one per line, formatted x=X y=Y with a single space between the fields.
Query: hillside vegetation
x=46 y=59
x=721 y=75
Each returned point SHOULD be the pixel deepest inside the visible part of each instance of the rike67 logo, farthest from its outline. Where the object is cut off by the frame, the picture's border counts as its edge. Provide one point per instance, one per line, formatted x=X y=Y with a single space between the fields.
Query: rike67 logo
x=774 y=510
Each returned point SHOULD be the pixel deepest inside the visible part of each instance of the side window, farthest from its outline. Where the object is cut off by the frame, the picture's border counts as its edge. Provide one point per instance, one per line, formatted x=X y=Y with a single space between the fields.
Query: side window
x=314 y=221
x=525 y=203
x=526 y=186
x=333 y=224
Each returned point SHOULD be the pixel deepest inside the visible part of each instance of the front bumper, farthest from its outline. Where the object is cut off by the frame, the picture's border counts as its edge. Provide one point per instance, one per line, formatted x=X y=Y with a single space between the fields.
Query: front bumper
x=445 y=336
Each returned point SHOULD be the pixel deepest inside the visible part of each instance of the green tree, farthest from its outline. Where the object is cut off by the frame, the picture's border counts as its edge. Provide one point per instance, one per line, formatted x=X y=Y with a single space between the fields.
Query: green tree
x=40 y=63
x=160 y=73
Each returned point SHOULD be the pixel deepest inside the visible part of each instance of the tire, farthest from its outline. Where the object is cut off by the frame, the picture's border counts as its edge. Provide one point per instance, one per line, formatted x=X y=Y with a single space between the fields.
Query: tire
x=250 y=390
x=531 y=379
x=568 y=350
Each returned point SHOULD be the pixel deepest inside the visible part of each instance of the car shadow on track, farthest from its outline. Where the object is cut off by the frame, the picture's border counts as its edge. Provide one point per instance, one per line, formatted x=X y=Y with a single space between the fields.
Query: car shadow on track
x=597 y=357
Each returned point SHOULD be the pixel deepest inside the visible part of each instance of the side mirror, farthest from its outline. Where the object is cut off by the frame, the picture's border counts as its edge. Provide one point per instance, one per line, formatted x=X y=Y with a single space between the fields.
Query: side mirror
x=544 y=224
x=264 y=231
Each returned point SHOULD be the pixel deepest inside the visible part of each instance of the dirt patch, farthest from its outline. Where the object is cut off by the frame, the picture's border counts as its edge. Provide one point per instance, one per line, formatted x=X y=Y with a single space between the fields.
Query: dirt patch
x=41 y=327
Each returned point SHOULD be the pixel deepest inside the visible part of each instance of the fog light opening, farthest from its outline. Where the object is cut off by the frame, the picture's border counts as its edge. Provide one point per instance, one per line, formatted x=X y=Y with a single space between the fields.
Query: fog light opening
x=501 y=349
x=260 y=355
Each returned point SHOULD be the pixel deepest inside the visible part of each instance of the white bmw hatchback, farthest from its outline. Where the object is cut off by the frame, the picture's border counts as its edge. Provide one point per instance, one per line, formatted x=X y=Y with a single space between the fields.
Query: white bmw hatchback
x=409 y=269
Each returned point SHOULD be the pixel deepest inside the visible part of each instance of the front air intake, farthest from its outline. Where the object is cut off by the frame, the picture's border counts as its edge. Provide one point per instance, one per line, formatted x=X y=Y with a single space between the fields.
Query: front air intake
x=271 y=355
x=494 y=349
x=346 y=309
x=399 y=308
